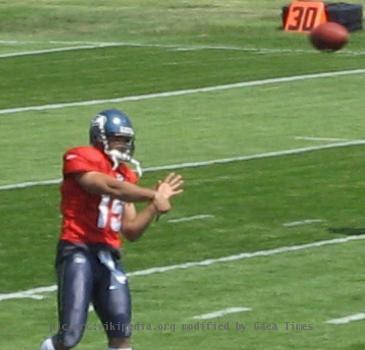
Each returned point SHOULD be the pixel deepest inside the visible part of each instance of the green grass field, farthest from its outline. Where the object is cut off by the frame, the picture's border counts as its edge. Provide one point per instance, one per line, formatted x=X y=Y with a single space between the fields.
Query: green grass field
x=248 y=206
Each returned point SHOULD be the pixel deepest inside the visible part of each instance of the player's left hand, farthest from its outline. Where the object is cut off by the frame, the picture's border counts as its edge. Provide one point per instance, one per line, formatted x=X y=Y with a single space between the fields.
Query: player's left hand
x=171 y=186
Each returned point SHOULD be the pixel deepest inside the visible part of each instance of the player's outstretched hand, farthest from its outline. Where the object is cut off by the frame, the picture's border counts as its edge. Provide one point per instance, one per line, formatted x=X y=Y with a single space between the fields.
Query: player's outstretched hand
x=171 y=186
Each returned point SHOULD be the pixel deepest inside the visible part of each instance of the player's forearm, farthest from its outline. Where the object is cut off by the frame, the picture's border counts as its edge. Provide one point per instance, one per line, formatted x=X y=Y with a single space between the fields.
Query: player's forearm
x=135 y=228
x=131 y=193
x=102 y=184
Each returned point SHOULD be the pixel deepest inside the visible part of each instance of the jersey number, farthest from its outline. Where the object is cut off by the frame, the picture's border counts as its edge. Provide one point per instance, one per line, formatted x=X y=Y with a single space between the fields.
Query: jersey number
x=110 y=214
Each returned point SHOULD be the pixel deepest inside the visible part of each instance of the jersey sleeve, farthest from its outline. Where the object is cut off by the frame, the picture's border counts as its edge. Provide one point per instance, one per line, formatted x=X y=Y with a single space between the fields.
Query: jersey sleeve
x=79 y=161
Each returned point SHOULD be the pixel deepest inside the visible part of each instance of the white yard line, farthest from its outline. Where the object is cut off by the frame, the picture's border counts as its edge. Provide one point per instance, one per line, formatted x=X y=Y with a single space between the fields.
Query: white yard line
x=220 y=313
x=191 y=218
x=76 y=47
x=302 y=222
x=33 y=293
x=29 y=184
x=46 y=51
x=309 y=138
x=80 y=45
x=214 y=88
x=243 y=256
x=347 y=319
x=208 y=162
x=259 y=50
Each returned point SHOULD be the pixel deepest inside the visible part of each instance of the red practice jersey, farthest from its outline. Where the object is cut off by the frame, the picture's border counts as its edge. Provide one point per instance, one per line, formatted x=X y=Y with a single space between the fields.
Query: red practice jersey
x=91 y=218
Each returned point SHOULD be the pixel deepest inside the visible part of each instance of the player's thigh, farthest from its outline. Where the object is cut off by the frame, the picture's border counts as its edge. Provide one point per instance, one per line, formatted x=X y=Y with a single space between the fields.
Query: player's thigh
x=75 y=287
x=112 y=302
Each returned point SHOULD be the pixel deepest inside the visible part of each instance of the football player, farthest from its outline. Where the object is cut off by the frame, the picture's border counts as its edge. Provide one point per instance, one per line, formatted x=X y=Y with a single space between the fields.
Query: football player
x=98 y=191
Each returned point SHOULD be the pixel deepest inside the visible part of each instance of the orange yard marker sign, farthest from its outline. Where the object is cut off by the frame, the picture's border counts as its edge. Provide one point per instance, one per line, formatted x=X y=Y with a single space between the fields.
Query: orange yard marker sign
x=303 y=16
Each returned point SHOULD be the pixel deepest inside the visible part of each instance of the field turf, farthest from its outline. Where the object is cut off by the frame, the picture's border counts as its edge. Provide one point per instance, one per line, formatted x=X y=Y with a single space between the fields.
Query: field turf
x=261 y=207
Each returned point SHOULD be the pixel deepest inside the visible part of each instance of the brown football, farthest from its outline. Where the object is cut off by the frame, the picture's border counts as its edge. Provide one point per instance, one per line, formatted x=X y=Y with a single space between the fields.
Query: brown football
x=329 y=36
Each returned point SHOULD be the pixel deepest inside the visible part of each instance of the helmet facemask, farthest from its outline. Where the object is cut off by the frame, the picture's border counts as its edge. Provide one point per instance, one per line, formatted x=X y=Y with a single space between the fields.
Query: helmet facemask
x=119 y=147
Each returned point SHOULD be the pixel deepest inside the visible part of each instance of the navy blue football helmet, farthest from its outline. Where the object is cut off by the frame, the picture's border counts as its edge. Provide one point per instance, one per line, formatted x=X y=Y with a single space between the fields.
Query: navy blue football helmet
x=110 y=123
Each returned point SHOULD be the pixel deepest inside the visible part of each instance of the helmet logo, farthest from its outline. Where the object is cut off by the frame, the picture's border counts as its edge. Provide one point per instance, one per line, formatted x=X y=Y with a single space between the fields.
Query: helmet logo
x=99 y=121
x=116 y=121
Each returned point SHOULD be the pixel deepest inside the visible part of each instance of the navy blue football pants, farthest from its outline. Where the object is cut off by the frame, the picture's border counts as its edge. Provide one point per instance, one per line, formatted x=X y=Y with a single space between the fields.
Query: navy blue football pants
x=95 y=277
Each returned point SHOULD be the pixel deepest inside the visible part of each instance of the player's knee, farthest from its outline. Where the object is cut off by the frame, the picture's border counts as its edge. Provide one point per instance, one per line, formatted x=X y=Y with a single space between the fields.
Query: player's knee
x=119 y=330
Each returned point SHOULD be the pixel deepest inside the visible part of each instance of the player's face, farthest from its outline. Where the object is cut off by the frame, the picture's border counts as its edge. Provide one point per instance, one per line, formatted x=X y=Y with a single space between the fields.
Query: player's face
x=120 y=143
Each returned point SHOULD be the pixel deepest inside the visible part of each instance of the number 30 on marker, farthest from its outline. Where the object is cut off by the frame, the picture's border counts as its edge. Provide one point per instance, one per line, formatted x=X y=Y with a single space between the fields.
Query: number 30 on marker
x=304 y=16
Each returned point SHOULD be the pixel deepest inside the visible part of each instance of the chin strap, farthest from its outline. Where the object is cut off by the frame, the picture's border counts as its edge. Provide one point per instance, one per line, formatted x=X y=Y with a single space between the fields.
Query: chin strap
x=137 y=166
x=117 y=157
